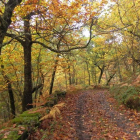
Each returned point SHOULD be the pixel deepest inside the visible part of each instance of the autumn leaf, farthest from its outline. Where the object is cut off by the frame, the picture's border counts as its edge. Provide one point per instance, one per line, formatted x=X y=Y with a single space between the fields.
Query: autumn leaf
x=14 y=125
x=138 y=132
x=20 y=132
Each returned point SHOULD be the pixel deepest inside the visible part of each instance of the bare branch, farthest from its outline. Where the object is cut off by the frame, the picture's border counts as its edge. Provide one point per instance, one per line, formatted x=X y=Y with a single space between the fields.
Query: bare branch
x=13 y=36
x=70 y=49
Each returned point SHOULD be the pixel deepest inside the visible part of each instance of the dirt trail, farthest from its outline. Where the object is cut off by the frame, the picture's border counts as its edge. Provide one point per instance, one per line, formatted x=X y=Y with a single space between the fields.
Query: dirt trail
x=93 y=115
x=98 y=118
x=79 y=118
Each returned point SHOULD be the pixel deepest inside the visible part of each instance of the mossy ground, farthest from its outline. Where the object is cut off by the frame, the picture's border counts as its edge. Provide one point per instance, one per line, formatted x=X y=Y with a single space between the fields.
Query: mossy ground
x=127 y=95
x=27 y=121
x=27 y=118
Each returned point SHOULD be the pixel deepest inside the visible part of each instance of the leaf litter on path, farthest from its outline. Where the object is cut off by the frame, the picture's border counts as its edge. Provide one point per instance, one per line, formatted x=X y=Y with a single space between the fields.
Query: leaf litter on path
x=94 y=115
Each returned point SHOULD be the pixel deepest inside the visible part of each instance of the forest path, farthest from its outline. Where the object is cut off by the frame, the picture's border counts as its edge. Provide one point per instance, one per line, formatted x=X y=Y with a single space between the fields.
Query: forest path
x=94 y=115
x=99 y=117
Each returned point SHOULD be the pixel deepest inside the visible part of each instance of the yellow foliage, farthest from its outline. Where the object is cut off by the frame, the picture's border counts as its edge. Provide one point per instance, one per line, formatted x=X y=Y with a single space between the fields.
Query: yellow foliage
x=54 y=111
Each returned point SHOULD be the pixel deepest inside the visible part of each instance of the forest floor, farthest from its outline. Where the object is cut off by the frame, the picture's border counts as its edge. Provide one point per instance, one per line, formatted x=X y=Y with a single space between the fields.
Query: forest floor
x=91 y=115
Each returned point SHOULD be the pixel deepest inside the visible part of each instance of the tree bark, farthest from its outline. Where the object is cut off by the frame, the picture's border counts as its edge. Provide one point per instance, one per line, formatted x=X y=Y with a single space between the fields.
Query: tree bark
x=88 y=73
x=101 y=73
x=70 y=81
x=11 y=96
x=73 y=75
x=27 y=94
x=5 y=18
x=66 y=80
x=108 y=81
x=53 y=74
x=12 y=100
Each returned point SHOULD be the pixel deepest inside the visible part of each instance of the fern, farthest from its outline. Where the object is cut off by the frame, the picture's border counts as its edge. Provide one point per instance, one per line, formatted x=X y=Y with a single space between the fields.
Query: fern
x=53 y=112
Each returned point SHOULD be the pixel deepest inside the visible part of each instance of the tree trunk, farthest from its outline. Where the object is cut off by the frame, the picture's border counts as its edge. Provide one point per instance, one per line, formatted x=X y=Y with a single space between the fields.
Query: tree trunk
x=84 y=75
x=101 y=73
x=9 y=87
x=70 y=81
x=73 y=75
x=27 y=94
x=11 y=97
x=5 y=18
x=53 y=74
x=108 y=81
x=88 y=73
x=12 y=101
x=118 y=63
x=66 y=80
x=119 y=70
x=134 y=68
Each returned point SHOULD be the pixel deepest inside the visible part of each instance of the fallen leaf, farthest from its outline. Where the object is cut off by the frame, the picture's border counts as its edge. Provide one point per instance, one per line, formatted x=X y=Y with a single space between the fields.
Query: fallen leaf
x=20 y=132
x=138 y=132
x=14 y=125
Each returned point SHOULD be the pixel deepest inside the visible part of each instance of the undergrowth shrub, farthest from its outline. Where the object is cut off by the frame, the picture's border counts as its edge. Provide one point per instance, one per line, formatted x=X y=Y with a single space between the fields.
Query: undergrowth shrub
x=127 y=95
x=54 y=98
x=31 y=119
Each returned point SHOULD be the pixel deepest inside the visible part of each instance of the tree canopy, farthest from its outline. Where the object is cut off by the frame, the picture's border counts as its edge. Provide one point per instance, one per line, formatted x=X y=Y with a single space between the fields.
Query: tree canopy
x=43 y=47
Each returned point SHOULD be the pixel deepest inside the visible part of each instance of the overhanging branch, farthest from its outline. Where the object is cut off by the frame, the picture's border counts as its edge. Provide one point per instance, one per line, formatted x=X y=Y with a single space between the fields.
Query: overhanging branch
x=70 y=49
